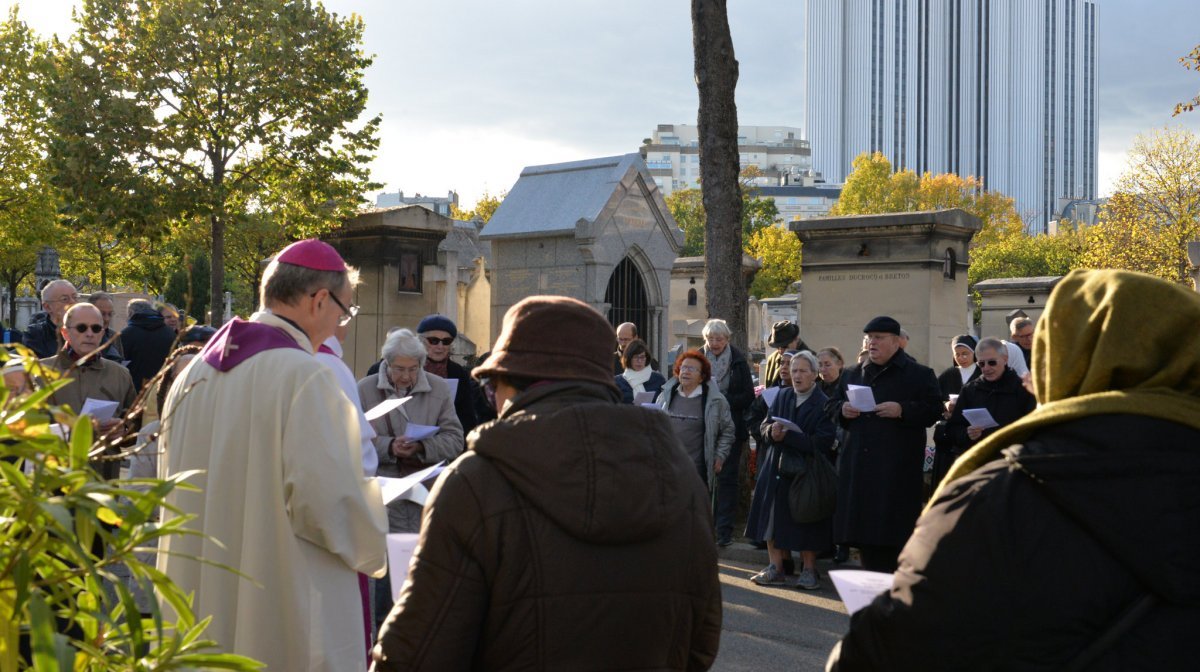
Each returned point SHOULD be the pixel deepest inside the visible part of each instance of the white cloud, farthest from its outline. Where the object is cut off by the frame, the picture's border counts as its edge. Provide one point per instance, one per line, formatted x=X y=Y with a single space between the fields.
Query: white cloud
x=470 y=159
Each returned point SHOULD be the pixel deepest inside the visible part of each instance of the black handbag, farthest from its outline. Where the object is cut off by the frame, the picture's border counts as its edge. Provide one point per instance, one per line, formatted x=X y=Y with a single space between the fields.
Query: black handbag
x=813 y=494
x=791 y=462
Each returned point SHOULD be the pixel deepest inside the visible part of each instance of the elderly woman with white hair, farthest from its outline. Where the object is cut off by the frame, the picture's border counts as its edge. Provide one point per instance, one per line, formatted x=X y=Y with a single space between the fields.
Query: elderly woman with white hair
x=401 y=441
x=402 y=436
x=810 y=438
x=731 y=373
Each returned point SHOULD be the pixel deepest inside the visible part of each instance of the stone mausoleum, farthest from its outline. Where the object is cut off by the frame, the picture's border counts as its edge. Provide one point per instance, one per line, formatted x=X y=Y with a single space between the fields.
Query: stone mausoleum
x=413 y=262
x=912 y=266
x=596 y=230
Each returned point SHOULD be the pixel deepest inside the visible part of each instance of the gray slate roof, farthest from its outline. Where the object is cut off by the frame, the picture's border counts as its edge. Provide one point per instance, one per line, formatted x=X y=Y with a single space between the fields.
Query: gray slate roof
x=553 y=198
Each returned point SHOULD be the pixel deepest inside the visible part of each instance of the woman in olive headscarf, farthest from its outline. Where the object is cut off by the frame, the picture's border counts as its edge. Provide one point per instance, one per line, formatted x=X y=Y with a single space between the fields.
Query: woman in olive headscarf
x=1068 y=539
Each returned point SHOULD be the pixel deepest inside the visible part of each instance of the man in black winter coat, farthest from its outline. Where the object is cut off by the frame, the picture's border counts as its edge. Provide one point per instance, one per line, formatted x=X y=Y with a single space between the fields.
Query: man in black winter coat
x=43 y=335
x=146 y=340
x=1066 y=540
x=880 y=475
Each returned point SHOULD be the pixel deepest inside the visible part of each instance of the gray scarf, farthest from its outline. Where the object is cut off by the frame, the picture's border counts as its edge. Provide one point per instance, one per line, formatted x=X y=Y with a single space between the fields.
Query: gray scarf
x=720 y=367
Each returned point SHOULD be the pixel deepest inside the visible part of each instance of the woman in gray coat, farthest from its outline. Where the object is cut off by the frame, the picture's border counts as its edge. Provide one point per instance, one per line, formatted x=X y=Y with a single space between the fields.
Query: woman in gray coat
x=699 y=413
x=401 y=449
x=398 y=441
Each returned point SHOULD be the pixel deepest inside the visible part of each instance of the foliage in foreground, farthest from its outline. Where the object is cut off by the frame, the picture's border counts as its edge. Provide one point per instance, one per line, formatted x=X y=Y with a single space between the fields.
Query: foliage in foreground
x=64 y=535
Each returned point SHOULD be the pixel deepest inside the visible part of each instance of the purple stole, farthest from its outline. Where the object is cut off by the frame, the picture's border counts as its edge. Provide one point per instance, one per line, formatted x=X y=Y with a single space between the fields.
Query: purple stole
x=240 y=340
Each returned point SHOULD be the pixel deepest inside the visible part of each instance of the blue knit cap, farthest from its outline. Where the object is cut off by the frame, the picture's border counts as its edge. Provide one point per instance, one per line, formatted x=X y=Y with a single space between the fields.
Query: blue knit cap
x=437 y=322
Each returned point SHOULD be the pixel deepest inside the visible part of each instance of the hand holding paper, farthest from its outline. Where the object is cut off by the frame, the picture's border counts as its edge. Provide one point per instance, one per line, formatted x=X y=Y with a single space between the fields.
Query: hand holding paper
x=979 y=417
x=787 y=424
x=99 y=409
x=861 y=397
x=642 y=398
x=414 y=432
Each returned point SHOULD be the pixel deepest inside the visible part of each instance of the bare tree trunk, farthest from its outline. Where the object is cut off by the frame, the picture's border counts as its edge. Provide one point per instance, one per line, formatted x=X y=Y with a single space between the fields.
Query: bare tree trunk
x=716 y=79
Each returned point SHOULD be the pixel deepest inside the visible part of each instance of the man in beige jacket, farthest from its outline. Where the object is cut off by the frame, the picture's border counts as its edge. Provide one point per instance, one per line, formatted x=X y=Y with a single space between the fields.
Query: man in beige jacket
x=284 y=500
x=93 y=377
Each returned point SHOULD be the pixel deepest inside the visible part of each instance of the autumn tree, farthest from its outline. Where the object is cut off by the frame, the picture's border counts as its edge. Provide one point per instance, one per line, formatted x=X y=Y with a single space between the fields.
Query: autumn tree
x=779 y=251
x=484 y=208
x=873 y=188
x=1020 y=255
x=1154 y=211
x=27 y=200
x=716 y=71
x=217 y=114
x=1191 y=62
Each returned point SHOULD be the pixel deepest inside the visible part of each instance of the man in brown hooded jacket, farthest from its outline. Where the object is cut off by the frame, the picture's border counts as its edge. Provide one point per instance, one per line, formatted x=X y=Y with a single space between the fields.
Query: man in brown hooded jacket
x=572 y=534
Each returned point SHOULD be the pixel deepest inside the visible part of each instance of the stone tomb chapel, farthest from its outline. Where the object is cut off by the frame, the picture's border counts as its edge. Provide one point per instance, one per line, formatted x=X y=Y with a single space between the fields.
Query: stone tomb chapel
x=595 y=230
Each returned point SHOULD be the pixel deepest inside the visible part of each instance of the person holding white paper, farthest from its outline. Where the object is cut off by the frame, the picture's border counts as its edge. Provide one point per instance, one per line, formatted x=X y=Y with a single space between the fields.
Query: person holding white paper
x=951 y=382
x=93 y=377
x=400 y=454
x=1066 y=540
x=403 y=375
x=880 y=473
x=638 y=377
x=998 y=389
x=770 y=517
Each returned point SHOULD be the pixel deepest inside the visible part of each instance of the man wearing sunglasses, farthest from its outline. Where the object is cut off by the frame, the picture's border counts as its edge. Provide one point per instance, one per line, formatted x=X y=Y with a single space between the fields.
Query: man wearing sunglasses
x=997 y=389
x=93 y=377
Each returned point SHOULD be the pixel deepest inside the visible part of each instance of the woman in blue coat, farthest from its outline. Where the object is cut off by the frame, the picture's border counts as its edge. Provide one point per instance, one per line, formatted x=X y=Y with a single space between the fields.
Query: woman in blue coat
x=770 y=518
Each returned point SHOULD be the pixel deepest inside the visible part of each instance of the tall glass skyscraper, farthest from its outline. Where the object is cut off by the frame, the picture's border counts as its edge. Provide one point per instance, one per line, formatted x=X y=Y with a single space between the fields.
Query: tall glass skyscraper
x=1001 y=89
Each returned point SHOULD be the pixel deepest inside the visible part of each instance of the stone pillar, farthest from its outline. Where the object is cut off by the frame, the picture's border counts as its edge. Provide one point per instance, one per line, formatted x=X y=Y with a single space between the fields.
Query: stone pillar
x=46 y=270
x=449 y=308
x=911 y=266
x=1002 y=297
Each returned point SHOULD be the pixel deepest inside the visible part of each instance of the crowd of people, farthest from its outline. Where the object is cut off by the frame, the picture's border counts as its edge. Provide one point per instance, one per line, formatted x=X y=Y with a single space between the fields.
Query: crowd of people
x=589 y=490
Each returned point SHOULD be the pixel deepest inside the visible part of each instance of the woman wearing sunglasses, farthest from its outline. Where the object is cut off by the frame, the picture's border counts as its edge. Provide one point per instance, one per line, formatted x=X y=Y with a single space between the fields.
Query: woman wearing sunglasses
x=438 y=333
x=998 y=389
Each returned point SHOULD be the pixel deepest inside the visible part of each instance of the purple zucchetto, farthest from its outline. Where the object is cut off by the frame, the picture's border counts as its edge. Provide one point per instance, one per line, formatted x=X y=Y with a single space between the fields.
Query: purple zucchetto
x=312 y=253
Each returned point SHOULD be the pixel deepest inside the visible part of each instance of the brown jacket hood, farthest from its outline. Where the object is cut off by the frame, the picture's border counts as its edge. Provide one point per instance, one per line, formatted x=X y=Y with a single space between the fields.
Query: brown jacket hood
x=607 y=473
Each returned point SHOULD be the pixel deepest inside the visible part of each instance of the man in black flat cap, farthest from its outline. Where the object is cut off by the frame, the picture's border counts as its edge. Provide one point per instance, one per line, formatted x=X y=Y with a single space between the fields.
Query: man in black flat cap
x=880 y=482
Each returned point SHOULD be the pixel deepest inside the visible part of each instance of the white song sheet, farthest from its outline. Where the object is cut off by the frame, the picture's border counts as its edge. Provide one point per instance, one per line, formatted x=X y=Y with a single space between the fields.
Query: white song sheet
x=979 y=417
x=391 y=488
x=769 y=395
x=400 y=548
x=858 y=587
x=861 y=397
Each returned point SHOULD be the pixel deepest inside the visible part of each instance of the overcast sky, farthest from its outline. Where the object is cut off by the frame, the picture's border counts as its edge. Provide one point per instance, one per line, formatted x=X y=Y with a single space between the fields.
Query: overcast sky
x=472 y=91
